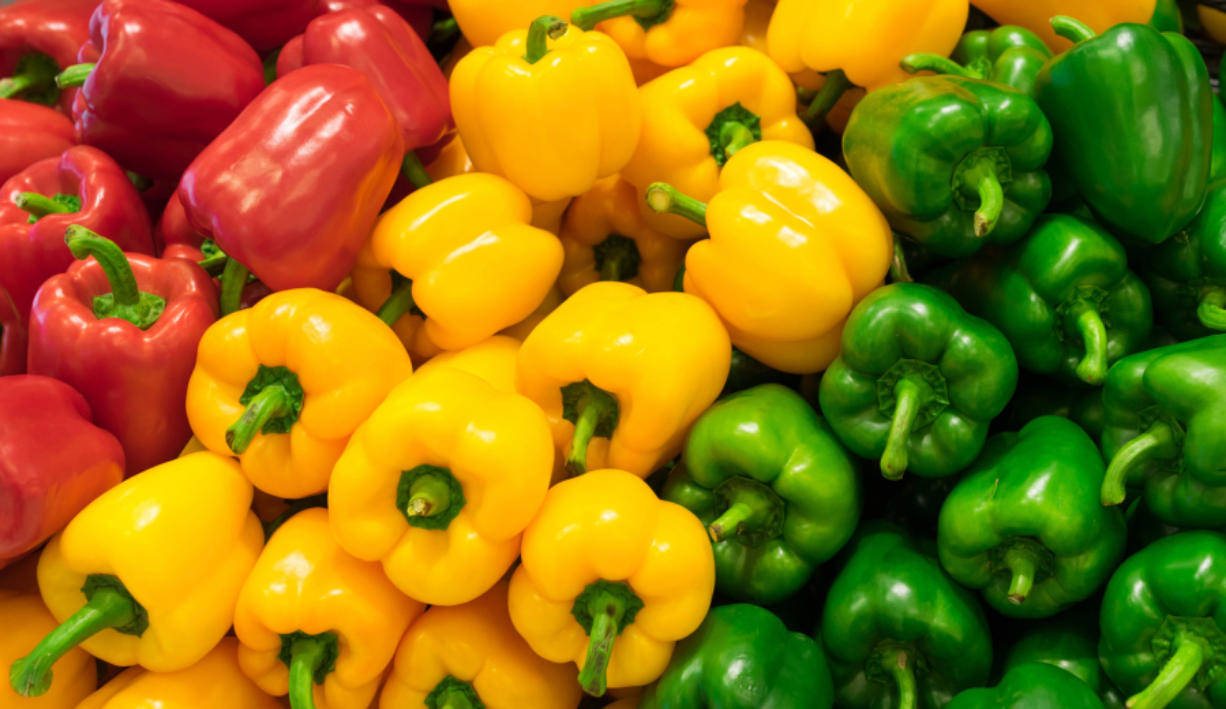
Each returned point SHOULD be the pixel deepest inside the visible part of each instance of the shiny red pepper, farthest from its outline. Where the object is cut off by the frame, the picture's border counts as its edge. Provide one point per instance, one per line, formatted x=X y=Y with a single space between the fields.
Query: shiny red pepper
x=12 y=339
x=265 y=24
x=29 y=133
x=130 y=352
x=37 y=39
x=53 y=460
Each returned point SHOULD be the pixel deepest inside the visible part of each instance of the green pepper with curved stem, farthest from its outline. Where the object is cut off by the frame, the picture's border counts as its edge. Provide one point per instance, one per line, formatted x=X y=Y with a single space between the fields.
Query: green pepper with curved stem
x=777 y=492
x=1035 y=684
x=1008 y=55
x=918 y=381
x=1070 y=643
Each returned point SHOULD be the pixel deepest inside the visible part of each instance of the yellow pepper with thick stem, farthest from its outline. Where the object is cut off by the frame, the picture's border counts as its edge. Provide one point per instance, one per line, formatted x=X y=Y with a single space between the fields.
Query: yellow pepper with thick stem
x=460 y=655
x=24 y=620
x=284 y=383
x=622 y=374
x=795 y=244
x=611 y=578
x=665 y=32
x=316 y=623
x=550 y=116
x=1035 y=15
x=148 y=573
x=440 y=482
x=484 y=21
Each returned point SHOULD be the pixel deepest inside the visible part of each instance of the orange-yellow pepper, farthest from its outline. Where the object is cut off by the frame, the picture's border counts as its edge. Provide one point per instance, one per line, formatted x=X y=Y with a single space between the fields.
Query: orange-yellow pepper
x=1212 y=20
x=492 y=360
x=622 y=373
x=215 y=681
x=148 y=573
x=316 y=623
x=452 y=160
x=24 y=620
x=665 y=32
x=611 y=578
x=484 y=21
x=697 y=116
x=795 y=244
x=284 y=383
x=1035 y=15
x=471 y=653
x=440 y=482
x=551 y=108
x=606 y=238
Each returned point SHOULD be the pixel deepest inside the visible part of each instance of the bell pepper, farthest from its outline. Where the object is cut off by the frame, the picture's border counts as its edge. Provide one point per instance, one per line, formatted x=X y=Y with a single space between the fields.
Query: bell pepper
x=665 y=32
x=774 y=487
x=795 y=243
x=493 y=360
x=25 y=621
x=621 y=374
x=37 y=39
x=1161 y=632
x=122 y=329
x=611 y=578
x=12 y=339
x=284 y=384
x=149 y=572
x=1034 y=684
x=1217 y=151
x=942 y=374
x=483 y=22
x=471 y=656
x=1008 y=55
x=337 y=148
x=1136 y=150
x=265 y=24
x=166 y=82
x=1036 y=15
x=1084 y=309
x=1167 y=16
x=53 y=461
x=581 y=125
x=315 y=622
x=30 y=133
x=897 y=631
x=1071 y=644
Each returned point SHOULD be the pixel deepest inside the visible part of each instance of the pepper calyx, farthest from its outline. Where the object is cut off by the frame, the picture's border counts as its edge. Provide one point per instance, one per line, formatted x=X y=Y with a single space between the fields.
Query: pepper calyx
x=429 y=496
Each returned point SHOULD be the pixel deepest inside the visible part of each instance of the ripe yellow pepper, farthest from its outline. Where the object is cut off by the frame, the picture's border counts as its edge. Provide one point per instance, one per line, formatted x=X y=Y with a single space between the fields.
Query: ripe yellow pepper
x=452 y=160
x=606 y=238
x=284 y=383
x=484 y=21
x=315 y=622
x=492 y=360
x=24 y=620
x=697 y=116
x=622 y=374
x=215 y=681
x=611 y=578
x=1035 y=15
x=148 y=573
x=665 y=32
x=551 y=117
x=795 y=244
x=472 y=653
x=440 y=482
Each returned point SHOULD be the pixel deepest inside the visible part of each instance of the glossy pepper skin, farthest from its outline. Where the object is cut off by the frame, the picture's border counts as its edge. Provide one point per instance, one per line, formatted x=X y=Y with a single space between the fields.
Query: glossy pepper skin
x=472 y=652
x=53 y=460
x=1083 y=308
x=942 y=374
x=897 y=631
x=1036 y=16
x=955 y=163
x=1070 y=643
x=1024 y=525
x=665 y=32
x=30 y=133
x=1030 y=685
x=778 y=493
x=338 y=149
x=284 y=384
x=1009 y=55
x=611 y=578
x=1137 y=151
x=265 y=24
x=316 y=622
x=743 y=657
x=582 y=125
x=621 y=374
x=38 y=38
x=26 y=620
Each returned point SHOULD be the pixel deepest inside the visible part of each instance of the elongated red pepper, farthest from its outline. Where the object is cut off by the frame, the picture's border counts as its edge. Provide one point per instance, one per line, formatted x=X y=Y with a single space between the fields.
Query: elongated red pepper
x=37 y=39
x=123 y=329
x=12 y=339
x=53 y=460
x=29 y=133
x=265 y=24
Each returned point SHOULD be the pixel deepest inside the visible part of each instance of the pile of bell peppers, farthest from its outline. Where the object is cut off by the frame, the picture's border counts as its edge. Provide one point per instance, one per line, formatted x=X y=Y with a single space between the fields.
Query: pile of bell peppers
x=672 y=354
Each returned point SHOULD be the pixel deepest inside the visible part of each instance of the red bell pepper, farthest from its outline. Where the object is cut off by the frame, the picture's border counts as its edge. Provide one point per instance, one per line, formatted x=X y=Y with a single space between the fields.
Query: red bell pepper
x=37 y=39
x=53 y=461
x=123 y=329
x=12 y=339
x=167 y=81
x=265 y=24
x=29 y=133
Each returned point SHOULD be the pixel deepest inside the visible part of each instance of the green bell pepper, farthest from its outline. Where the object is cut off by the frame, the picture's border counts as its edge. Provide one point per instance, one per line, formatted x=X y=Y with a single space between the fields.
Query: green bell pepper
x=1132 y=114
x=1008 y=55
x=918 y=381
x=1042 y=396
x=1024 y=525
x=1163 y=624
x=1217 y=151
x=1070 y=643
x=898 y=632
x=777 y=492
x=1063 y=296
x=954 y=163
x=1167 y=17
x=1030 y=686
x=743 y=657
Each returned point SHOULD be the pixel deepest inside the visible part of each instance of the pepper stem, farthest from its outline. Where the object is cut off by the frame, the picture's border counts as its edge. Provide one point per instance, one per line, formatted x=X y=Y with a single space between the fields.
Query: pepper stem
x=735 y=135
x=607 y=612
x=125 y=301
x=926 y=61
x=74 y=75
x=542 y=29
x=908 y=395
x=414 y=171
x=588 y=17
x=34 y=78
x=40 y=205
x=1092 y=368
x=904 y=676
x=233 y=279
x=730 y=523
x=836 y=85
x=10 y=86
x=899 y=273
x=666 y=199
x=982 y=175
x=1072 y=29
x=1212 y=309
x=455 y=700
x=428 y=495
x=307 y=654
x=397 y=304
x=272 y=402
x=1154 y=443
x=1022 y=565
x=585 y=426
x=1178 y=671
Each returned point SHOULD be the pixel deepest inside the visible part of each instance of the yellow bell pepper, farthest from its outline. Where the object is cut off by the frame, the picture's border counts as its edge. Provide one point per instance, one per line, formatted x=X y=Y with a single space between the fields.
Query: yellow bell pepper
x=521 y=329
x=551 y=116
x=215 y=681
x=148 y=573
x=471 y=653
x=316 y=623
x=492 y=360
x=24 y=620
x=611 y=578
x=440 y=482
x=795 y=244
x=284 y=383
x=484 y=21
x=606 y=238
x=622 y=374
x=697 y=116
x=1212 y=20
x=665 y=32
x=452 y=160
x=1035 y=15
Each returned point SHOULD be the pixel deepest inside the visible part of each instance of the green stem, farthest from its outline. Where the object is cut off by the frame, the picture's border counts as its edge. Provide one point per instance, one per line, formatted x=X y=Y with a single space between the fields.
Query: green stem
x=306 y=656
x=1212 y=309
x=233 y=280
x=904 y=678
x=397 y=304
x=605 y=619
x=588 y=17
x=74 y=75
x=734 y=136
x=1072 y=29
x=215 y=265
x=836 y=85
x=272 y=402
x=1092 y=369
x=666 y=199
x=982 y=175
x=10 y=86
x=455 y=700
x=585 y=427
x=1023 y=566
x=40 y=205
x=899 y=273
x=139 y=181
x=1174 y=676
x=908 y=395
x=414 y=171
x=429 y=494
x=84 y=243
x=541 y=30
x=926 y=61
x=730 y=522
x=1154 y=443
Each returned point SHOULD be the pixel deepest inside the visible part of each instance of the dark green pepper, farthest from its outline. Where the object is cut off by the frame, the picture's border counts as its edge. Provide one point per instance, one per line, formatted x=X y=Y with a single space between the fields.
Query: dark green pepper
x=1008 y=55
x=1166 y=17
x=1070 y=643
x=1042 y=396
x=1034 y=685
x=1217 y=153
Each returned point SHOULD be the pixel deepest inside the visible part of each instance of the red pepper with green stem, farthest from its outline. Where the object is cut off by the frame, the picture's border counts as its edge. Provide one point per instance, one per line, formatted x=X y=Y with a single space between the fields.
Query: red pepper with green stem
x=37 y=39
x=29 y=133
